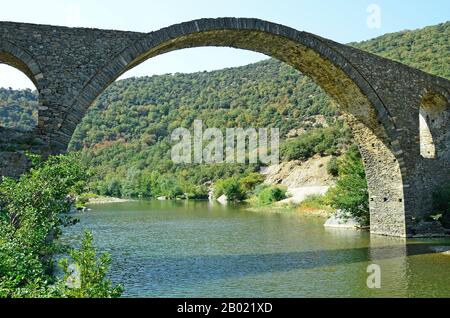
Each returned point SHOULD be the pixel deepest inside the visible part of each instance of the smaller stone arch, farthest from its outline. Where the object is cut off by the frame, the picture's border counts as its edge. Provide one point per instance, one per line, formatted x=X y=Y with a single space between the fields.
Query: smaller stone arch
x=13 y=163
x=22 y=60
x=434 y=126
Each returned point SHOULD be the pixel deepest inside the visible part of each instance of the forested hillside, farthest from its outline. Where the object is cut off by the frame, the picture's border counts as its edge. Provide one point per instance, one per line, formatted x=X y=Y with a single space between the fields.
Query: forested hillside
x=126 y=133
x=18 y=108
x=427 y=49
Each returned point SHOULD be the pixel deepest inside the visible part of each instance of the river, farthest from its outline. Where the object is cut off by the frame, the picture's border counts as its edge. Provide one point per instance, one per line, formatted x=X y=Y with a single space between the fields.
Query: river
x=194 y=249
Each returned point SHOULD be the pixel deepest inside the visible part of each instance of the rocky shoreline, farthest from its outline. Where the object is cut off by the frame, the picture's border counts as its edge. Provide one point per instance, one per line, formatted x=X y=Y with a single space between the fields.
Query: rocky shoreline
x=105 y=200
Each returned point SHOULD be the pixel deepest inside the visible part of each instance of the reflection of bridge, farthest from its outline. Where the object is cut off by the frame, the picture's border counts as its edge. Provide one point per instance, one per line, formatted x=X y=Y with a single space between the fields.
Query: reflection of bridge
x=406 y=159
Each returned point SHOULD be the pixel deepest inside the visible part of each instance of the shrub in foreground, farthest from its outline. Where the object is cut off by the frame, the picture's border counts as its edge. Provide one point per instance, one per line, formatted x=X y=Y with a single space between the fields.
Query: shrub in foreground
x=351 y=193
x=271 y=194
x=33 y=211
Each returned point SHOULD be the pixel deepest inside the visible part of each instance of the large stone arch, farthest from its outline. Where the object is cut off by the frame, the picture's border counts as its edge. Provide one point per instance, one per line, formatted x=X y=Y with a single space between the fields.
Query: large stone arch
x=314 y=56
x=380 y=98
x=310 y=54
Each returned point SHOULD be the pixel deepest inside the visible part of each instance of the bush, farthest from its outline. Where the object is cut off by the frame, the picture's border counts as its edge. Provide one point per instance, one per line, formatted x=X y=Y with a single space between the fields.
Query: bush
x=86 y=276
x=197 y=192
x=314 y=202
x=271 y=194
x=249 y=182
x=81 y=201
x=322 y=141
x=169 y=187
x=351 y=193
x=111 y=188
x=332 y=167
x=33 y=211
x=230 y=187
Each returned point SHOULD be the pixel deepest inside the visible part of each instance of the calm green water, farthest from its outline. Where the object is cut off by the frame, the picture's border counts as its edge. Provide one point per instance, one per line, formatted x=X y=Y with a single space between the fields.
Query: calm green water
x=193 y=249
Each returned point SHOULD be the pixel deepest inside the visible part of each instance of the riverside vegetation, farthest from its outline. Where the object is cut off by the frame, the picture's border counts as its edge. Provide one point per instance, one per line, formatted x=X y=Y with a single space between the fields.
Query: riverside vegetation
x=33 y=211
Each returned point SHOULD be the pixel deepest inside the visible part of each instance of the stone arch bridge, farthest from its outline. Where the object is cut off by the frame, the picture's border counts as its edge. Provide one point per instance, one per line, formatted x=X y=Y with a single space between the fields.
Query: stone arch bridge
x=400 y=116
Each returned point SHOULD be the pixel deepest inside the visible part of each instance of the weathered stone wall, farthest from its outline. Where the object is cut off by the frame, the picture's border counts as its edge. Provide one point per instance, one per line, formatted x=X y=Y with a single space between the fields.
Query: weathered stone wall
x=381 y=99
x=60 y=61
x=405 y=91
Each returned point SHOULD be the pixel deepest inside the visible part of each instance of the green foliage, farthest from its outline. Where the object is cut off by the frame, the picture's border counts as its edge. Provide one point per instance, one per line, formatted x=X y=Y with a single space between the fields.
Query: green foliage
x=351 y=193
x=249 y=183
x=323 y=141
x=238 y=188
x=18 y=109
x=231 y=187
x=81 y=201
x=315 y=202
x=110 y=187
x=441 y=204
x=267 y=195
x=33 y=211
x=426 y=49
x=333 y=167
x=87 y=276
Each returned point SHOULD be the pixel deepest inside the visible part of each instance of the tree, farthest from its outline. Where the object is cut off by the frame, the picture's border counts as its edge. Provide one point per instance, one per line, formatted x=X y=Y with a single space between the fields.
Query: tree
x=351 y=192
x=230 y=187
x=271 y=194
x=86 y=278
x=33 y=211
x=249 y=182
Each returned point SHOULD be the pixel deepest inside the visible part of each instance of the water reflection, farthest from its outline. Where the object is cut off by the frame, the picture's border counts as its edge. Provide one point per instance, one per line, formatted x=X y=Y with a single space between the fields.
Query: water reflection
x=194 y=249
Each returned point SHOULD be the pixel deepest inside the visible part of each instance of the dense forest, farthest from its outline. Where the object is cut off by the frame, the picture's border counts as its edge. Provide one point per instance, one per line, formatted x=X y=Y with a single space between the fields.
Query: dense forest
x=125 y=136
x=18 y=108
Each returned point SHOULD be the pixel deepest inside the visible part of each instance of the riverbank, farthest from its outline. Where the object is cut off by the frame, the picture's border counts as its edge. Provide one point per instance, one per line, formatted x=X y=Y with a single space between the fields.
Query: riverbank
x=105 y=200
x=306 y=183
x=307 y=207
x=291 y=208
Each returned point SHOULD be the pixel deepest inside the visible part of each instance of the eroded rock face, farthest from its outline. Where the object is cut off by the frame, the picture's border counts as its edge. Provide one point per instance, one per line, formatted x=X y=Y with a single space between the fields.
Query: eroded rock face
x=295 y=174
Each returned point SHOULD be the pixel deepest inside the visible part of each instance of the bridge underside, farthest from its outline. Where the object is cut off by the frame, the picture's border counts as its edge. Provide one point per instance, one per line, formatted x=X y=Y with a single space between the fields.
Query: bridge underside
x=400 y=116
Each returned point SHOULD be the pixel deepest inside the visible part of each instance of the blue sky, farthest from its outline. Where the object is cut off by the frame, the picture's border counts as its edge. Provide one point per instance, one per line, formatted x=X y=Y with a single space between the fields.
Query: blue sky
x=340 y=20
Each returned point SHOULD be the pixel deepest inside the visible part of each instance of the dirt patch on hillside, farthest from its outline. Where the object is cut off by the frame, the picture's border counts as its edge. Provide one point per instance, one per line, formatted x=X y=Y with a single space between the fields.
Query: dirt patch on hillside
x=297 y=174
